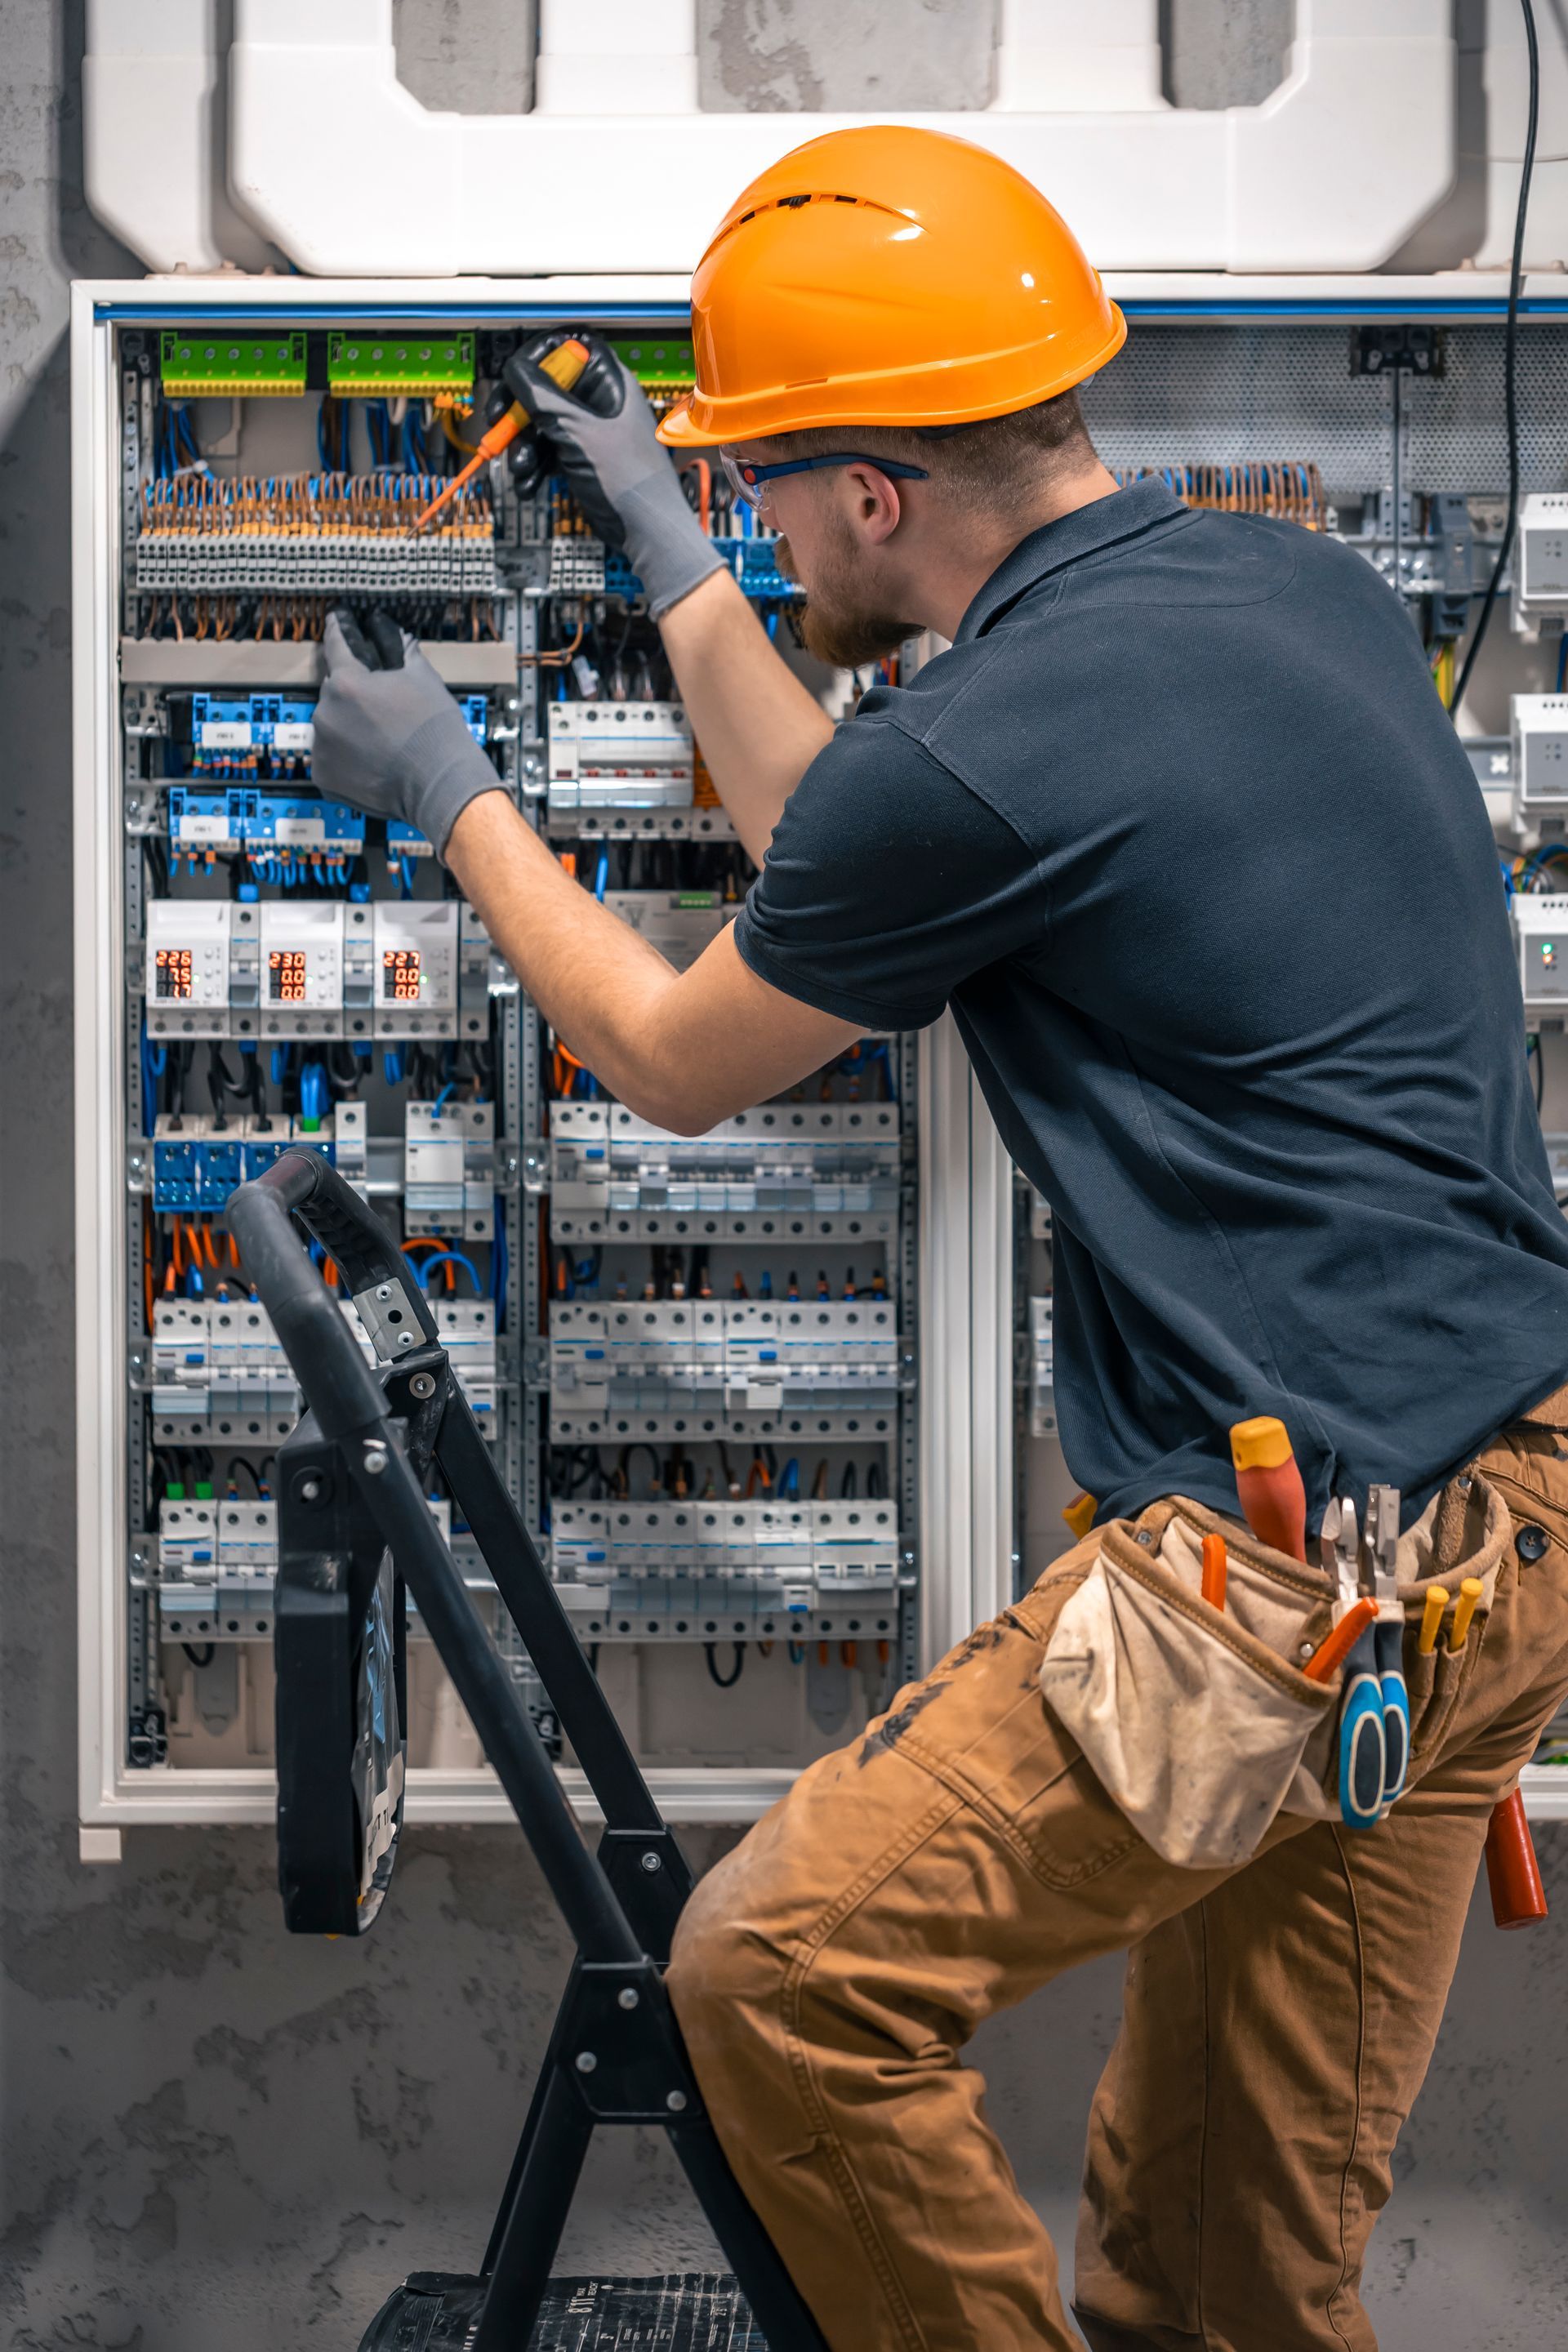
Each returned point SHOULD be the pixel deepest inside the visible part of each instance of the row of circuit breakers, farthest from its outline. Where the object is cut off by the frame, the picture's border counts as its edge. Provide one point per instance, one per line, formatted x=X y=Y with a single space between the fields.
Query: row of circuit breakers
x=398 y=970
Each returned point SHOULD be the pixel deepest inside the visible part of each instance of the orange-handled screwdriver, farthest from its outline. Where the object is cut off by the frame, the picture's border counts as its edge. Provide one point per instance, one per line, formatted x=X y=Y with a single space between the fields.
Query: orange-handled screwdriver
x=1337 y=1646
x=563 y=365
x=1217 y=1567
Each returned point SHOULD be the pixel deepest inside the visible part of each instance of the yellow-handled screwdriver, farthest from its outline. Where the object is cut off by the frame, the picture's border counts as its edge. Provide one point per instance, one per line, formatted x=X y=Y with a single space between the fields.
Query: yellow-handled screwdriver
x=563 y=365
x=1431 y=1618
x=1470 y=1591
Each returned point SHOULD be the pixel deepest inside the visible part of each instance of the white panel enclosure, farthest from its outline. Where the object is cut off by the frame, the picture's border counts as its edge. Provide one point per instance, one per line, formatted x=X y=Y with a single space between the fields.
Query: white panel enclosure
x=333 y=160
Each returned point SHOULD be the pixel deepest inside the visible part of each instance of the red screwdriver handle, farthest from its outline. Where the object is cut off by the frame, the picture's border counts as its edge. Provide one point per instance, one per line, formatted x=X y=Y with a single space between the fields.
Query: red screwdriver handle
x=1268 y=1484
x=1513 y=1874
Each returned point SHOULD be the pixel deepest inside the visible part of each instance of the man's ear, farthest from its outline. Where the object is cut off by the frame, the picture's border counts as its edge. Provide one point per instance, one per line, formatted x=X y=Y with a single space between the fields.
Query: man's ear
x=874 y=501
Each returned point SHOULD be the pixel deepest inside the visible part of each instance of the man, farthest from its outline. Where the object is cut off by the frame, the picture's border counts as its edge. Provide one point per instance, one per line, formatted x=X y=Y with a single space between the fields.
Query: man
x=1181 y=832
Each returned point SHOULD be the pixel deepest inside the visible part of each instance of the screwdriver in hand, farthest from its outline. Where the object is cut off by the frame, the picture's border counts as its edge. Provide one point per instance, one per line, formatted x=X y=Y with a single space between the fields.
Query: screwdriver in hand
x=563 y=365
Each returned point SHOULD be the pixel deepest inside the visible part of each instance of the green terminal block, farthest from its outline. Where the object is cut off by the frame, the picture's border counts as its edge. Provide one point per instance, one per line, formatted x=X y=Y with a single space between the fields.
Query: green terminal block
x=658 y=362
x=392 y=367
x=204 y=366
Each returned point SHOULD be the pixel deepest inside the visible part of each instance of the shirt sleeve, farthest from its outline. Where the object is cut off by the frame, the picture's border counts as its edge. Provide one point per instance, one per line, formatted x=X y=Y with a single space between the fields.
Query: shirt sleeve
x=887 y=883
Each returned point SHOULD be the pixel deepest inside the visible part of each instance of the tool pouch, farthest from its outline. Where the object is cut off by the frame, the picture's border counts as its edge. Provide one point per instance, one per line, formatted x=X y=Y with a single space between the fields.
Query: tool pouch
x=1192 y=1721
x=1199 y=1723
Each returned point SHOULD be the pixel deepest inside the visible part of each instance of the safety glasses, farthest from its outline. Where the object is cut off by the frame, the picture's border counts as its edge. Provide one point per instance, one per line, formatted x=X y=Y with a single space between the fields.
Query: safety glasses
x=749 y=481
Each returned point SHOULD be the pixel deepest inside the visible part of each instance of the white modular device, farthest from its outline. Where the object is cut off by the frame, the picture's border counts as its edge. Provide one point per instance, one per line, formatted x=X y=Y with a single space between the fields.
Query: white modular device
x=1539 y=741
x=1541 y=934
x=301 y=968
x=627 y=755
x=415 y=964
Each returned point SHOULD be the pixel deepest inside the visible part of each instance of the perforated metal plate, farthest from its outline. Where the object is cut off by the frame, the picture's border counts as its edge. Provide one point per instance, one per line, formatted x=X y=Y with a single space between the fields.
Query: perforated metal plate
x=695 y=2312
x=1202 y=394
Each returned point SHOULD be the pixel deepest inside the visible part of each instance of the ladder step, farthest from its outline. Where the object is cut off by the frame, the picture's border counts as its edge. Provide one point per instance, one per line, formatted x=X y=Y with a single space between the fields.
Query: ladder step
x=689 y=2311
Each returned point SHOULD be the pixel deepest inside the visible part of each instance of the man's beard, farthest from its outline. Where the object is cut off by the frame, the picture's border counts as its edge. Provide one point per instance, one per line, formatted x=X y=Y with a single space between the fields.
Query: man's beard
x=838 y=631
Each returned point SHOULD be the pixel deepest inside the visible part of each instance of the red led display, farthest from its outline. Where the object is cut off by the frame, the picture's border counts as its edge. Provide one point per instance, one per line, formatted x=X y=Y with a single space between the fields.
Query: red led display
x=174 y=971
x=288 y=975
x=400 y=975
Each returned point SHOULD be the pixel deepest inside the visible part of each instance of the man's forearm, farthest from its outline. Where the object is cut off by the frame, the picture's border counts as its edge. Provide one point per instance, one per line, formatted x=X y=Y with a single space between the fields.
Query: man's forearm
x=760 y=728
x=684 y=1050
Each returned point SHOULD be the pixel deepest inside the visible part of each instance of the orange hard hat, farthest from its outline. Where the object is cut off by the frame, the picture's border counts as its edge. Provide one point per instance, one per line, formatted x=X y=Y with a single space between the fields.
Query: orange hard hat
x=887 y=276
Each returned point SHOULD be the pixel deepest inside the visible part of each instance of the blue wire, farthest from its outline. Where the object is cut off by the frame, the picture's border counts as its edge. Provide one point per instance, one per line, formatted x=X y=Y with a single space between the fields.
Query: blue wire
x=602 y=876
x=450 y=1257
x=435 y=1106
x=153 y=1059
x=313 y=1093
x=392 y=1069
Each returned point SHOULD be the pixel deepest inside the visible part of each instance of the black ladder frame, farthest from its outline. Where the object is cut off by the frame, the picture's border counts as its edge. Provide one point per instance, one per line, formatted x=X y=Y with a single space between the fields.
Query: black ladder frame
x=615 y=2054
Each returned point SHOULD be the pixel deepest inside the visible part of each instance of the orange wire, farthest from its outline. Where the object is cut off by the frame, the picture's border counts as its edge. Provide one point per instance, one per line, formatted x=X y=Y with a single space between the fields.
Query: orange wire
x=557 y=659
x=209 y=1246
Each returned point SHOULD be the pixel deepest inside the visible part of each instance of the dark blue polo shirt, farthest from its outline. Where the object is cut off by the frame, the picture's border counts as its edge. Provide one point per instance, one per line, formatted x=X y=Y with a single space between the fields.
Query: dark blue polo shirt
x=1181 y=832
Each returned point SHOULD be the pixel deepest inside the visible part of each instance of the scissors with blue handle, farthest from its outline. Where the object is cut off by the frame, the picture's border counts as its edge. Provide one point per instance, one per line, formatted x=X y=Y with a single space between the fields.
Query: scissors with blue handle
x=1363 y=1754
x=1388 y=1638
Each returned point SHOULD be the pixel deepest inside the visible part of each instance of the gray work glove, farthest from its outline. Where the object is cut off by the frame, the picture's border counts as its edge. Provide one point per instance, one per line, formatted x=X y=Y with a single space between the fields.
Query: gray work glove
x=389 y=737
x=621 y=476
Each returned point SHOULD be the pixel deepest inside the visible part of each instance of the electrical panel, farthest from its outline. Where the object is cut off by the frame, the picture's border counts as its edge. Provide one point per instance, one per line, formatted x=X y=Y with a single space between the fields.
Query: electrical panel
x=695 y=1358
x=733 y=1379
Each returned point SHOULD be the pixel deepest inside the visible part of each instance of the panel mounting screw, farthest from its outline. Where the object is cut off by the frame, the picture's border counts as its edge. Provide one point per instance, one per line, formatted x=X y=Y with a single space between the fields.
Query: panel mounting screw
x=384 y=1289
x=651 y=1861
x=422 y=1384
x=627 y=1997
x=675 y=2101
x=406 y=1338
x=586 y=2061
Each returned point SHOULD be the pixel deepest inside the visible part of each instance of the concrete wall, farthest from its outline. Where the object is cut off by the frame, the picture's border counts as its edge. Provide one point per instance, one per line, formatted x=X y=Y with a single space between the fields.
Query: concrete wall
x=221 y=2140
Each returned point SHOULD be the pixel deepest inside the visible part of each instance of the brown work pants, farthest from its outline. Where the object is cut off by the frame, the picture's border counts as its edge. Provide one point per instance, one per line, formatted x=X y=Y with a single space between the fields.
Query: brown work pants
x=1277 y=2019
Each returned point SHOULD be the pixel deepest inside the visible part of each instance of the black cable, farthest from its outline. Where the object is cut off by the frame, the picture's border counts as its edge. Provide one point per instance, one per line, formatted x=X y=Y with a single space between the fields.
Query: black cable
x=1510 y=360
x=1540 y=1073
x=209 y=1652
x=725 y=1682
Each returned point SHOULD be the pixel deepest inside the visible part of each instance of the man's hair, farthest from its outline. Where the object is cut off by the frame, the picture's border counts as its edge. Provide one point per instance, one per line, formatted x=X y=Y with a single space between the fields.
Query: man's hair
x=997 y=464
